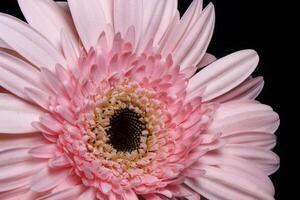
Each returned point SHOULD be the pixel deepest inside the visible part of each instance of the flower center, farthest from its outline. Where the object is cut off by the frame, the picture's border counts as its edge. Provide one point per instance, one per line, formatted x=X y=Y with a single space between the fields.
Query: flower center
x=125 y=130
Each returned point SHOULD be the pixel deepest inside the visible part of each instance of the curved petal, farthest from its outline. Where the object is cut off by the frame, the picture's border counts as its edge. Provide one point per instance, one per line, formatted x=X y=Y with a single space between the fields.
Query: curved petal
x=47 y=179
x=249 y=89
x=21 y=169
x=15 y=75
x=237 y=116
x=29 y=43
x=252 y=139
x=16 y=115
x=49 y=19
x=206 y=60
x=157 y=18
x=128 y=13
x=224 y=74
x=9 y=141
x=193 y=45
x=13 y=155
x=227 y=183
x=71 y=193
x=44 y=151
x=88 y=194
x=89 y=19
x=264 y=159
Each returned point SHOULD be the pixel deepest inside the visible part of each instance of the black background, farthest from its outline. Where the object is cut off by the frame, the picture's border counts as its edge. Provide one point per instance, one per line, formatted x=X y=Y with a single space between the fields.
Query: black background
x=263 y=26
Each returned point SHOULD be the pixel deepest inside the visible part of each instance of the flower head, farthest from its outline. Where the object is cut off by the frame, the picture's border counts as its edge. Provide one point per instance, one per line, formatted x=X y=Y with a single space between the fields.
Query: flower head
x=103 y=102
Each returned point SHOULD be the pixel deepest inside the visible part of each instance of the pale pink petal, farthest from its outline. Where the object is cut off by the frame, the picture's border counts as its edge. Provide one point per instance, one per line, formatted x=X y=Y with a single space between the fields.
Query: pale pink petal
x=49 y=19
x=8 y=141
x=236 y=117
x=128 y=13
x=16 y=115
x=264 y=159
x=88 y=194
x=182 y=27
x=68 y=183
x=249 y=89
x=193 y=44
x=169 y=14
x=224 y=74
x=47 y=179
x=107 y=7
x=152 y=197
x=89 y=19
x=10 y=195
x=70 y=49
x=60 y=161
x=39 y=97
x=227 y=183
x=67 y=194
x=257 y=139
x=4 y=45
x=45 y=151
x=12 y=184
x=14 y=155
x=129 y=195
x=157 y=16
x=15 y=75
x=21 y=169
x=206 y=60
x=29 y=43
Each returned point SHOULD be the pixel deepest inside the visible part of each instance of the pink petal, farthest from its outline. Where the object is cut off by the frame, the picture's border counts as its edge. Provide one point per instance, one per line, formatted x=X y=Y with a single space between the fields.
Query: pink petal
x=29 y=43
x=170 y=14
x=249 y=89
x=19 y=170
x=68 y=183
x=16 y=115
x=49 y=19
x=130 y=195
x=88 y=194
x=14 y=155
x=228 y=183
x=67 y=194
x=8 y=141
x=244 y=117
x=45 y=151
x=4 y=45
x=39 y=97
x=15 y=74
x=224 y=74
x=193 y=46
x=256 y=139
x=182 y=27
x=157 y=16
x=89 y=19
x=264 y=159
x=60 y=161
x=70 y=49
x=128 y=13
x=151 y=197
x=47 y=179
x=12 y=184
x=9 y=195
x=206 y=60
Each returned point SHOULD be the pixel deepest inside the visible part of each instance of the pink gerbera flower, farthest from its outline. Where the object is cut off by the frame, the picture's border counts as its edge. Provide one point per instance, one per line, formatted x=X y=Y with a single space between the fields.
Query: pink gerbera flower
x=103 y=102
